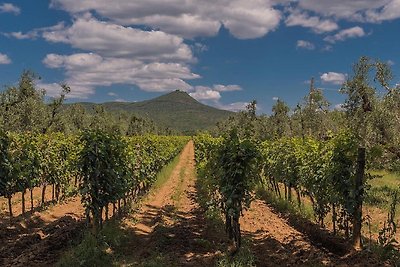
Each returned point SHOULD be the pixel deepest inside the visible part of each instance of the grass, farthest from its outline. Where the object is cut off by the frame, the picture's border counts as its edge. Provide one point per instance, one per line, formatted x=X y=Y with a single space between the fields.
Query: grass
x=102 y=250
x=165 y=173
x=243 y=258
x=282 y=205
x=382 y=186
x=95 y=250
x=385 y=178
x=179 y=189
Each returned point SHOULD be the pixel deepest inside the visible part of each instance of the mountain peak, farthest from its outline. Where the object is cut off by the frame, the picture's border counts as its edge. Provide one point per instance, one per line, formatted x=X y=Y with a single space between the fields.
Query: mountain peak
x=177 y=96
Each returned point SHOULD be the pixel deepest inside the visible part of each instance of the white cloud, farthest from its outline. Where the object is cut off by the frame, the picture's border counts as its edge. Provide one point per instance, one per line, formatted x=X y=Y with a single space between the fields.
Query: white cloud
x=305 y=45
x=342 y=35
x=85 y=71
x=275 y=98
x=339 y=107
x=212 y=93
x=120 y=100
x=205 y=93
x=112 y=40
x=236 y=106
x=352 y=10
x=226 y=88
x=112 y=94
x=318 y=25
x=22 y=36
x=9 y=8
x=374 y=11
x=4 y=59
x=390 y=62
x=389 y=11
x=35 y=33
x=333 y=77
x=243 y=18
x=77 y=91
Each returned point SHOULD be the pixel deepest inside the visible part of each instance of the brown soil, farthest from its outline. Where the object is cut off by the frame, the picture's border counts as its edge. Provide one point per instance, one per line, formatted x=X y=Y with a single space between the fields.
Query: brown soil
x=39 y=238
x=170 y=226
x=17 y=202
x=277 y=242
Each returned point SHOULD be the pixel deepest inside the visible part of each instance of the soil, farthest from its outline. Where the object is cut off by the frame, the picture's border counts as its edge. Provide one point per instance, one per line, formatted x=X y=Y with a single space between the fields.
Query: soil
x=39 y=238
x=169 y=228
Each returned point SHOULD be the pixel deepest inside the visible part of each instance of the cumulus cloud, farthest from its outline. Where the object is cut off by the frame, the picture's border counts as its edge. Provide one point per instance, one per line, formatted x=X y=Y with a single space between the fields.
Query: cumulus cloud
x=275 y=98
x=333 y=77
x=112 y=40
x=226 y=88
x=351 y=10
x=35 y=33
x=77 y=91
x=236 y=106
x=389 y=11
x=243 y=18
x=318 y=25
x=305 y=45
x=88 y=70
x=205 y=93
x=212 y=93
x=4 y=59
x=9 y=8
x=342 y=35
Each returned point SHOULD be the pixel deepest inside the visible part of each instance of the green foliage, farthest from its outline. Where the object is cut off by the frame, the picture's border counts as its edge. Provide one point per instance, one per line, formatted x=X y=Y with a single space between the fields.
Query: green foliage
x=112 y=168
x=7 y=179
x=231 y=167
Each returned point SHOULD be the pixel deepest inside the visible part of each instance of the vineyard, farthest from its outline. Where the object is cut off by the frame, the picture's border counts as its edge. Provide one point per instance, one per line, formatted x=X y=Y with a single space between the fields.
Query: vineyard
x=103 y=168
x=315 y=187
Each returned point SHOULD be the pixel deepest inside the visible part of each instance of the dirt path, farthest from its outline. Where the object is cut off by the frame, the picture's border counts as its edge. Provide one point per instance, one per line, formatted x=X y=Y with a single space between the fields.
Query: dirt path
x=170 y=229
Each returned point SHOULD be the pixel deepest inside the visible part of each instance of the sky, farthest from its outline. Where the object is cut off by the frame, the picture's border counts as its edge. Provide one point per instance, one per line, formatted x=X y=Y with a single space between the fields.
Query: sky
x=224 y=53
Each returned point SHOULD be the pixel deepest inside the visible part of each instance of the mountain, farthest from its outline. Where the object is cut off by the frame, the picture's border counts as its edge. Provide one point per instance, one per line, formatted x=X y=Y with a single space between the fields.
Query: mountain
x=176 y=110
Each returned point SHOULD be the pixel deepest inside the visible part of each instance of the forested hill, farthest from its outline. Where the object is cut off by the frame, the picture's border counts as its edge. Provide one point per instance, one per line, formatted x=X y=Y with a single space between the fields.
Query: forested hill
x=176 y=110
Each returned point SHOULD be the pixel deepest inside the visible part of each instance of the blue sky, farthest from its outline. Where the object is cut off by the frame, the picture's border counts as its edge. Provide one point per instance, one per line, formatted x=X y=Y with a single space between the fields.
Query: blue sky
x=223 y=52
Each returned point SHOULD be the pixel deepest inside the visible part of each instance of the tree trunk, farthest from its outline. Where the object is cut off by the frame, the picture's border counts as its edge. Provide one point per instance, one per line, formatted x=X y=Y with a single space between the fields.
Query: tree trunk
x=100 y=215
x=23 y=201
x=286 y=195
x=53 y=192
x=298 y=198
x=358 y=199
x=106 y=211
x=43 y=195
x=278 y=190
x=10 y=206
x=334 y=215
x=31 y=190
x=57 y=192
x=119 y=207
